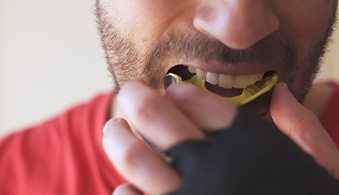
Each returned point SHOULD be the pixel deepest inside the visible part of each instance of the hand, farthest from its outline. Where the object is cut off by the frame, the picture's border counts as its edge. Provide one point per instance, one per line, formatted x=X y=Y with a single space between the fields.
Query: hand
x=253 y=157
x=165 y=121
x=183 y=119
x=304 y=128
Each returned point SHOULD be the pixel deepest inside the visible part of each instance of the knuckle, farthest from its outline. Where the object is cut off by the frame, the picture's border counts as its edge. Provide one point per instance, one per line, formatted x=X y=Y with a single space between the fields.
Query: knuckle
x=147 y=107
x=130 y=156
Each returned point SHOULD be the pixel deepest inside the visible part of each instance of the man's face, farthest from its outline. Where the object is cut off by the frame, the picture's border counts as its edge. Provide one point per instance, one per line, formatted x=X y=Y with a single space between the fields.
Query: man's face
x=232 y=40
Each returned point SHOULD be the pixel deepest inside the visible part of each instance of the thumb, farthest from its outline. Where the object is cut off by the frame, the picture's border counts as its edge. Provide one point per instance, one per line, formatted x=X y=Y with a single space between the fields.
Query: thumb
x=303 y=127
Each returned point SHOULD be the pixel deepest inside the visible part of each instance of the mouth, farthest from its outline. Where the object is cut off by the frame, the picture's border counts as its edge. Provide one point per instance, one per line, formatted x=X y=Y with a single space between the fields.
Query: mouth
x=238 y=88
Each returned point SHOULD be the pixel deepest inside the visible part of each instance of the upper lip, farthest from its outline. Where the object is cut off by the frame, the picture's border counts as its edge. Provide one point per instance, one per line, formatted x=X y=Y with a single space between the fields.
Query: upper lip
x=229 y=69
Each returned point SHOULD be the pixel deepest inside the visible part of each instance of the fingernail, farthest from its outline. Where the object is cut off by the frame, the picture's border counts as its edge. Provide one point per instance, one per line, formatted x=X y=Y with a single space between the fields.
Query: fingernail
x=110 y=124
x=282 y=85
x=279 y=97
x=286 y=95
x=281 y=90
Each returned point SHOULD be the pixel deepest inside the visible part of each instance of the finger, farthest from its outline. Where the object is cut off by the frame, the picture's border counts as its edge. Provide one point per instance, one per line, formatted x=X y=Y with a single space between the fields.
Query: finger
x=209 y=111
x=136 y=162
x=127 y=189
x=302 y=126
x=155 y=117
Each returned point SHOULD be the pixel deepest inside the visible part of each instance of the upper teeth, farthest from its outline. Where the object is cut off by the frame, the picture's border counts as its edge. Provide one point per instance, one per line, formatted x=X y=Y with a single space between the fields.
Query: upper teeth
x=226 y=81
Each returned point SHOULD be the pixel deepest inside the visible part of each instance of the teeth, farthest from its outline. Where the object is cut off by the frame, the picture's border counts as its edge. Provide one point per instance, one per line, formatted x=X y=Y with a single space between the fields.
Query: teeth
x=191 y=69
x=226 y=81
x=240 y=81
x=254 y=78
x=212 y=78
x=201 y=74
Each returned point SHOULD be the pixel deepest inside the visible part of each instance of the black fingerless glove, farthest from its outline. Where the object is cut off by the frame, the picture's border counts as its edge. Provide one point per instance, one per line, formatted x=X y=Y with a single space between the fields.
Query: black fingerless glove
x=252 y=157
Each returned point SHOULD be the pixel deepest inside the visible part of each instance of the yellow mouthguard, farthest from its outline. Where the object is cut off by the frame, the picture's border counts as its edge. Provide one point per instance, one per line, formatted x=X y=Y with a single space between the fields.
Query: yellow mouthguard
x=249 y=93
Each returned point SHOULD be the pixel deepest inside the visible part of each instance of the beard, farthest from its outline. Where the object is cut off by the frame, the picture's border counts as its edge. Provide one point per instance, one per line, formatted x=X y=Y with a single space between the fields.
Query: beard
x=188 y=44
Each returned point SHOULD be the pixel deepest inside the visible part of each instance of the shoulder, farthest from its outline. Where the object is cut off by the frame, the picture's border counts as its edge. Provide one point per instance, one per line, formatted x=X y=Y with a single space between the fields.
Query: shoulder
x=65 y=146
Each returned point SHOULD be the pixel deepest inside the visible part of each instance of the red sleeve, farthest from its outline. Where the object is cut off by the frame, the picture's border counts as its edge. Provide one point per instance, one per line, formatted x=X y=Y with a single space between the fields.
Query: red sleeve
x=330 y=115
x=62 y=156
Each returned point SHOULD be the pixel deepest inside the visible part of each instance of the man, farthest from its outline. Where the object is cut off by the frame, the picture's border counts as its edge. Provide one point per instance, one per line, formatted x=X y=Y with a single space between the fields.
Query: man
x=225 y=42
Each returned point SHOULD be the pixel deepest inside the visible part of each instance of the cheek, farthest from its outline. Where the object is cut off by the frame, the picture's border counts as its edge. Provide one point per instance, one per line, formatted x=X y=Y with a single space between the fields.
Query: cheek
x=308 y=22
x=311 y=30
x=144 y=21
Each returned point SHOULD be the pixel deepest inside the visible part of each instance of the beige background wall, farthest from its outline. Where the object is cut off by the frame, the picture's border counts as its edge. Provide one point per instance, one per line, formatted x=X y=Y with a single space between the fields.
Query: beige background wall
x=50 y=58
x=330 y=68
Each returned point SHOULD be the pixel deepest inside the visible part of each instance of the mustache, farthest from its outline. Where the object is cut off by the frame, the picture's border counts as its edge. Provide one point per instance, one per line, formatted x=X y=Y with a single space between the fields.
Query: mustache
x=276 y=48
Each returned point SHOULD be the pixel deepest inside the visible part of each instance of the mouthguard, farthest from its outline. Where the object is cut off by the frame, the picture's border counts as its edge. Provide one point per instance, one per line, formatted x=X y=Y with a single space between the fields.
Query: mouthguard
x=249 y=93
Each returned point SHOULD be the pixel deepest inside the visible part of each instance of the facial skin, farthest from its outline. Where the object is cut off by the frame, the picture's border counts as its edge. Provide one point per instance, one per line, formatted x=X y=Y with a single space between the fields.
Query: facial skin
x=143 y=39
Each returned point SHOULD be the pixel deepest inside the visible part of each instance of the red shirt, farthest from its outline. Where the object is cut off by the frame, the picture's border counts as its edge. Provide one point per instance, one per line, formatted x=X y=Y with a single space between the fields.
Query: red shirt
x=64 y=156
x=329 y=117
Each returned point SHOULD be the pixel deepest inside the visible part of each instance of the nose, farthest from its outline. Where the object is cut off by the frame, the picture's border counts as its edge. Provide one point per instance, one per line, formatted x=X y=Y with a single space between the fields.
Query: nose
x=239 y=24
